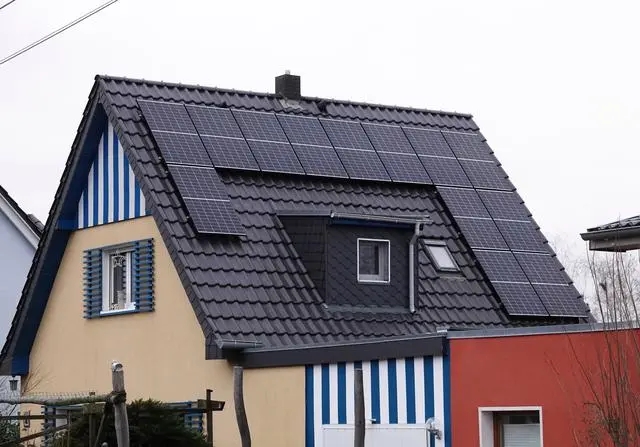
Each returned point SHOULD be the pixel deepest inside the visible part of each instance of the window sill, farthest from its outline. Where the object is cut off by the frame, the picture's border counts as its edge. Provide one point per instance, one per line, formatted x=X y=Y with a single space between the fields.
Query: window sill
x=108 y=313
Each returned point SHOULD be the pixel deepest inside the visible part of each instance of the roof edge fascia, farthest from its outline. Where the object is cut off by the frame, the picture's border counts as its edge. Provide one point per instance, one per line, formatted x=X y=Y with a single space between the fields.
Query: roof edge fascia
x=392 y=347
x=608 y=234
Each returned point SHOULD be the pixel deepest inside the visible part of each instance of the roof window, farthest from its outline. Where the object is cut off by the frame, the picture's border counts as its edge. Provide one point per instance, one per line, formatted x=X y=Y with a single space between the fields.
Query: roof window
x=441 y=256
x=373 y=260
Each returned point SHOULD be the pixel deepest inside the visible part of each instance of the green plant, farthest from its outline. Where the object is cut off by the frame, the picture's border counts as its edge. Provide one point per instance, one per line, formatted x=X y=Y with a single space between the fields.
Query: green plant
x=151 y=424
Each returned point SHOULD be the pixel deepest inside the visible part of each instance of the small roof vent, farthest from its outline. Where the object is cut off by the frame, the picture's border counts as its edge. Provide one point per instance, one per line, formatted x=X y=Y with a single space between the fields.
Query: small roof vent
x=288 y=85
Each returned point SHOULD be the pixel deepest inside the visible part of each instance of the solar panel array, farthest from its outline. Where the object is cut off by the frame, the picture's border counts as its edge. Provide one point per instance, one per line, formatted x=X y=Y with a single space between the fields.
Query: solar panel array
x=491 y=216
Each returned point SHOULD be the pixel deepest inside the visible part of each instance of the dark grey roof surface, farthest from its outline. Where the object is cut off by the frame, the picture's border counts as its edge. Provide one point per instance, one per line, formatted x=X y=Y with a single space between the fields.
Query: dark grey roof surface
x=629 y=222
x=255 y=289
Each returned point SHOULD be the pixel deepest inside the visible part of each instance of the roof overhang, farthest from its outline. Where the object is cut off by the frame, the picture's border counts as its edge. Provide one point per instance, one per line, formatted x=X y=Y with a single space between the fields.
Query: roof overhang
x=370 y=349
x=613 y=240
x=19 y=219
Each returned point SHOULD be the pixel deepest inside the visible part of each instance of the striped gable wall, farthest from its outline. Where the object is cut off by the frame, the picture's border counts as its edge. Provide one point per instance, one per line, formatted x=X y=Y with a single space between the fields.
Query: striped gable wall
x=112 y=192
x=397 y=391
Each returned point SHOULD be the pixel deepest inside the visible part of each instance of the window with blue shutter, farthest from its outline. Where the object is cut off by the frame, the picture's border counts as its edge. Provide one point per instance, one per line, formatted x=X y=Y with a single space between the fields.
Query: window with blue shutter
x=119 y=279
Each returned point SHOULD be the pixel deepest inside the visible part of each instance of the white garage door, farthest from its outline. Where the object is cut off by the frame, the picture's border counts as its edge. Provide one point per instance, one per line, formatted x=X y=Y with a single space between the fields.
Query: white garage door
x=379 y=435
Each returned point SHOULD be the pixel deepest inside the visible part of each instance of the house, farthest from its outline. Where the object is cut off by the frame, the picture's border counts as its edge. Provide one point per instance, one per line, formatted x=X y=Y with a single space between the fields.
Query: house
x=617 y=236
x=198 y=228
x=19 y=235
x=545 y=385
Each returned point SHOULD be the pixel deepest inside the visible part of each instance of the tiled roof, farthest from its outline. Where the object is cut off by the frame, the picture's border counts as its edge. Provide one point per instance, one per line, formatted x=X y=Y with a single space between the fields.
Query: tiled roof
x=629 y=222
x=255 y=290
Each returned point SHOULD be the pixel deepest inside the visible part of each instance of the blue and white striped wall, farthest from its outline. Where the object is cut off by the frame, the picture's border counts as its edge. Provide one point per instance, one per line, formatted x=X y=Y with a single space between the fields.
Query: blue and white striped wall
x=112 y=192
x=402 y=391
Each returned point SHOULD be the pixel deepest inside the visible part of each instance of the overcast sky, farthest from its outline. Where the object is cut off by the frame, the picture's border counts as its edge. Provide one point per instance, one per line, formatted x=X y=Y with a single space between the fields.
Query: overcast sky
x=553 y=85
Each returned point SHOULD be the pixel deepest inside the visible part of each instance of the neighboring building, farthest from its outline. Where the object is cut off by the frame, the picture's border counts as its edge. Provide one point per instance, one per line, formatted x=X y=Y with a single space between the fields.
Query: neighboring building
x=542 y=386
x=197 y=228
x=19 y=235
x=621 y=235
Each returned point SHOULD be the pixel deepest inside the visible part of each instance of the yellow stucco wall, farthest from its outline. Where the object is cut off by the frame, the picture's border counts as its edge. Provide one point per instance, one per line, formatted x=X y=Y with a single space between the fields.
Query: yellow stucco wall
x=163 y=352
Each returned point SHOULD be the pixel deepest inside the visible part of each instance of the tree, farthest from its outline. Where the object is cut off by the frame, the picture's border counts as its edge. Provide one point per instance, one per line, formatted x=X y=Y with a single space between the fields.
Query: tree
x=151 y=424
x=608 y=368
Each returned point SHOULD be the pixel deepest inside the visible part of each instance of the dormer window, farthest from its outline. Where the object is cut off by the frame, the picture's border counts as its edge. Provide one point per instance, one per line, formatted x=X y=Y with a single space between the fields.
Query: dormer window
x=441 y=256
x=373 y=260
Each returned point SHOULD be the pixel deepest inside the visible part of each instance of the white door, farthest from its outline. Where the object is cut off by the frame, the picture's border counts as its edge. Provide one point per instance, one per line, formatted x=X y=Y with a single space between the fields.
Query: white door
x=521 y=435
x=378 y=435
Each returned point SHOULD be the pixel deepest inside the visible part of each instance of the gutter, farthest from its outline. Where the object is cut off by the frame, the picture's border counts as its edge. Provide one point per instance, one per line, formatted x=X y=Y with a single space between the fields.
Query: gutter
x=615 y=233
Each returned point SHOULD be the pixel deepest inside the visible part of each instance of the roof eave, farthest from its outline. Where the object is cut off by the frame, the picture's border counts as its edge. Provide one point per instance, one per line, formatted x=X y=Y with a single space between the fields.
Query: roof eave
x=613 y=240
x=371 y=349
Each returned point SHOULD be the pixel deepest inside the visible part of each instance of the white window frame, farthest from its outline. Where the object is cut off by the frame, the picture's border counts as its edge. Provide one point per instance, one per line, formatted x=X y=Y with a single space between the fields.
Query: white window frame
x=374 y=279
x=485 y=422
x=106 y=279
x=429 y=243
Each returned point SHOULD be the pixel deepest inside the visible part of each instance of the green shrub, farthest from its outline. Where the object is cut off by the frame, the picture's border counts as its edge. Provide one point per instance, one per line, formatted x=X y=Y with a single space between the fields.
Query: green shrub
x=151 y=424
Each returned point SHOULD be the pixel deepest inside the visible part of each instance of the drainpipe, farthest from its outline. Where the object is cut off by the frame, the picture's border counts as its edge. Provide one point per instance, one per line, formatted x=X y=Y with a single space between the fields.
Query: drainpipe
x=412 y=244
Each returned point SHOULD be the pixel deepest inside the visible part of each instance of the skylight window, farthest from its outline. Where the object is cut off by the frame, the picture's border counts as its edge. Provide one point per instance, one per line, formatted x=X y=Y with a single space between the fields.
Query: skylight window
x=373 y=260
x=441 y=256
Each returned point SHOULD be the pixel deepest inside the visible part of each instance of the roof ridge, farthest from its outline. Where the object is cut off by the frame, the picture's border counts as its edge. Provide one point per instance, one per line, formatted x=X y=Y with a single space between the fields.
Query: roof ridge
x=275 y=96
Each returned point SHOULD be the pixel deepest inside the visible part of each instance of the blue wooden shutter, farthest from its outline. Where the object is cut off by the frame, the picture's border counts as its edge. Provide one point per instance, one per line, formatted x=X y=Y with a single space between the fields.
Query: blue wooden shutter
x=143 y=275
x=92 y=283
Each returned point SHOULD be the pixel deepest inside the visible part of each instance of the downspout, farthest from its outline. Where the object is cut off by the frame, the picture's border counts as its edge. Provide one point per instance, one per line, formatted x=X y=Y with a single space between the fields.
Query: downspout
x=412 y=244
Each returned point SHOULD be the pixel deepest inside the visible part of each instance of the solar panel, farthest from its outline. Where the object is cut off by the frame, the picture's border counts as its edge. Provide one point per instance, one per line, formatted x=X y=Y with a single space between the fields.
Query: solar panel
x=445 y=171
x=481 y=233
x=500 y=266
x=520 y=299
x=275 y=157
x=561 y=301
x=230 y=153
x=388 y=138
x=363 y=165
x=214 y=217
x=321 y=161
x=404 y=168
x=486 y=175
x=467 y=145
x=260 y=126
x=346 y=134
x=463 y=202
x=505 y=205
x=214 y=121
x=542 y=268
x=521 y=236
x=181 y=148
x=304 y=130
x=167 y=116
x=198 y=183
x=428 y=142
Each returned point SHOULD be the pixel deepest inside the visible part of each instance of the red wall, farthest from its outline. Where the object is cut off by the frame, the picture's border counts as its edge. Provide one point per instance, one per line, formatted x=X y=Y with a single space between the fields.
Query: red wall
x=552 y=371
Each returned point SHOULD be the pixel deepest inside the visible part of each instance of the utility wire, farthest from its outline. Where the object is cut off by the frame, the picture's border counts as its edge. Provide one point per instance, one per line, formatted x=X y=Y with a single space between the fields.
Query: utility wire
x=56 y=32
x=7 y=4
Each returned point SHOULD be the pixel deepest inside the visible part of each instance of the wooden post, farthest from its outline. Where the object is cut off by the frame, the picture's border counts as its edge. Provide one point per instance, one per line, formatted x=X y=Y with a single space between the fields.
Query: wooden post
x=358 y=410
x=241 y=415
x=119 y=400
x=209 y=418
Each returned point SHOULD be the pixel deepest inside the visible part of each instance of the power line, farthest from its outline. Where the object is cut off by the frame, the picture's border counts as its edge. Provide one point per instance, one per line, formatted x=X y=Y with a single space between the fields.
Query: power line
x=7 y=4
x=56 y=32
